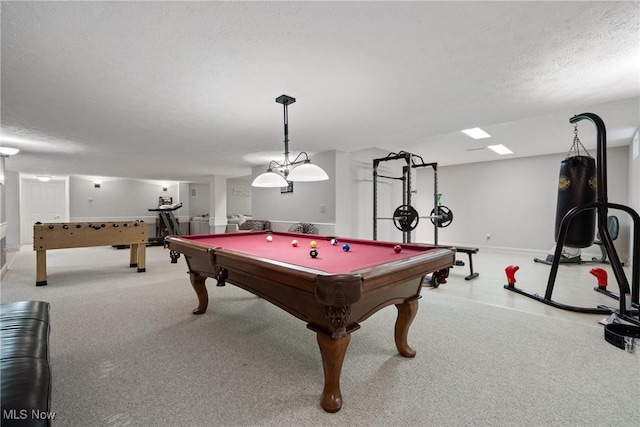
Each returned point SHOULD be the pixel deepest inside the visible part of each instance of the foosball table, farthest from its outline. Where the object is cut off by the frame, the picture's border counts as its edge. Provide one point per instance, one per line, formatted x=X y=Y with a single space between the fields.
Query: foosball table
x=48 y=236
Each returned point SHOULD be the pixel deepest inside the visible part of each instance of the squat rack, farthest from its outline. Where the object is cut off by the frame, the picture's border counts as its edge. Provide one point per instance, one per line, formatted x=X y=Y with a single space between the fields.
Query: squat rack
x=411 y=163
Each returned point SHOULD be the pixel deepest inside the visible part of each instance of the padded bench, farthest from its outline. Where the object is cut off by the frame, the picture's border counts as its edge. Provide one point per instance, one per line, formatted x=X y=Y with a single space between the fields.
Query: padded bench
x=470 y=252
x=25 y=372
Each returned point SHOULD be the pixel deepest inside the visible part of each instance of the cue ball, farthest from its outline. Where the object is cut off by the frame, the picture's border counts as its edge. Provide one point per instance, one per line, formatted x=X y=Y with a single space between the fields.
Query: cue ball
x=294 y=243
x=334 y=242
x=313 y=253
x=397 y=249
x=346 y=247
x=313 y=244
x=269 y=238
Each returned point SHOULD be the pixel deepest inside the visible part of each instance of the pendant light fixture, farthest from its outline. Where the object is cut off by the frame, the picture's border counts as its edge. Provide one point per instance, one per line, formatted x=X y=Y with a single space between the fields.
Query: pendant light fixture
x=300 y=169
x=8 y=151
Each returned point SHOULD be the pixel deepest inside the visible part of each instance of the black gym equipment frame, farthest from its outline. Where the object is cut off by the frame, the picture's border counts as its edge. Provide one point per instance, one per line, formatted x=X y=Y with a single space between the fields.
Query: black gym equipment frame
x=171 y=224
x=406 y=187
x=628 y=296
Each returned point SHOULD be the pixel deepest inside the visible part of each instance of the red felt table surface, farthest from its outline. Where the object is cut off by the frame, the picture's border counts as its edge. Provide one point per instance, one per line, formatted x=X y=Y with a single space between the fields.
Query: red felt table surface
x=331 y=259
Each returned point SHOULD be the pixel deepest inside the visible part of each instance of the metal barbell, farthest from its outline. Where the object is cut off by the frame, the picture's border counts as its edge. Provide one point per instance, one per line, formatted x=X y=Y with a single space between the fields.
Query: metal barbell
x=406 y=217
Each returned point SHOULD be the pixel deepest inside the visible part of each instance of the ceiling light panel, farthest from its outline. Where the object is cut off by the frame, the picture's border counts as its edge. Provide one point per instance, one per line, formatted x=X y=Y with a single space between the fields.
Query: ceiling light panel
x=476 y=133
x=500 y=149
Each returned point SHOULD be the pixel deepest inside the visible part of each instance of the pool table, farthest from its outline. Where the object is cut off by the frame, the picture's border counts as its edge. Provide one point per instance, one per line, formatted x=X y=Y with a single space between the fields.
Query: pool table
x=333 y=292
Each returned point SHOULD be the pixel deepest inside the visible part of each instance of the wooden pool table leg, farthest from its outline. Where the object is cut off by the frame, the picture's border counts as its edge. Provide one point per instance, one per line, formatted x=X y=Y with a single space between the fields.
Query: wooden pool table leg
x=333 y=351
x=197 y=282
x=406 y=313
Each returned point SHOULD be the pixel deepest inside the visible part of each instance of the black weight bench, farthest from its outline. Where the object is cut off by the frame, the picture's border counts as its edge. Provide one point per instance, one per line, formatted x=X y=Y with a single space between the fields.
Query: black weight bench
x=470 y=252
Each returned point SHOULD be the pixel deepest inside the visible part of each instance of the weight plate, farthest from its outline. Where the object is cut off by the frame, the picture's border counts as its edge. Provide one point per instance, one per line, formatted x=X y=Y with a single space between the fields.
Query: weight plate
x=441 y=216
x=405 y=218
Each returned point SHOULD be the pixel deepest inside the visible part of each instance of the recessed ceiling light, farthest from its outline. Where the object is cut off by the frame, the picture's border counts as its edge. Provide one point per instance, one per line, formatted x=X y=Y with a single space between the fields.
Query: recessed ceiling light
x=44 y=178
x=500 y=149
x=476 y=133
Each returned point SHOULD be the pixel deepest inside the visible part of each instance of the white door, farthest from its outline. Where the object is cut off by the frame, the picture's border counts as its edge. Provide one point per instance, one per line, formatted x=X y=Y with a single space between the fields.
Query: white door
x=40 y=201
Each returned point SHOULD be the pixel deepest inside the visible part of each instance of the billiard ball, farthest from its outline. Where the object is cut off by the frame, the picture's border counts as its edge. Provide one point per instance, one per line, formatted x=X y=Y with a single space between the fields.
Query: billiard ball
x=294 y=243
x=313 y=253
x=397 y=249
x=334 y=242
x=313 y=244
x=269 y=238
x=346 y=247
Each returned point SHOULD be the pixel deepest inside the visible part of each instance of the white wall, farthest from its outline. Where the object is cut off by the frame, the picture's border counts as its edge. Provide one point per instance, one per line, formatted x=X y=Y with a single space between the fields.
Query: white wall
x=117 y=198
x=313 y=202
x=513 y=200
x=239 y=196
x=198 y=200
x=347 y=196
x=124 y=199
x=344 y=221
x=12 y=196
x=389 y=195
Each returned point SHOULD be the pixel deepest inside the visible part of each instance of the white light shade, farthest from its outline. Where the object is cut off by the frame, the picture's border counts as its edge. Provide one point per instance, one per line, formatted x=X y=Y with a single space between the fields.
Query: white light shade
x=8 y=151
x=307 y=172
x=269 y=179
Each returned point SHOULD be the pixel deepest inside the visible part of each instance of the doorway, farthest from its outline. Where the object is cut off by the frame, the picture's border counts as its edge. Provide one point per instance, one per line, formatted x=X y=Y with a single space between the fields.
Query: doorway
x=41 y=201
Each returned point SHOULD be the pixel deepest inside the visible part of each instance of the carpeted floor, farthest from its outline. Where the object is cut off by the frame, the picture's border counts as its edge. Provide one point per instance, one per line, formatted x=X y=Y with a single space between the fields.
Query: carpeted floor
x=126 y=351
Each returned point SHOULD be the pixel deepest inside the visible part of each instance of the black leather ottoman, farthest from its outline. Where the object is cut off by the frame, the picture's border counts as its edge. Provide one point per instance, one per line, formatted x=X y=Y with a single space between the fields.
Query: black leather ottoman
x=25 y=374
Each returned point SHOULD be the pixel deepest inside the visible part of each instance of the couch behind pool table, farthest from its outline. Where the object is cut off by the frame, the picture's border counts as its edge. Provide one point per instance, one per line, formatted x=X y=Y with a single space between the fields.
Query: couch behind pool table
x=333 y=292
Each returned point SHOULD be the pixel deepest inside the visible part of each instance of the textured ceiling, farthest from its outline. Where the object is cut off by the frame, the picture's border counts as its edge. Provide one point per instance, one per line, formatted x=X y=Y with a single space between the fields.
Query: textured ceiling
x=185 y=90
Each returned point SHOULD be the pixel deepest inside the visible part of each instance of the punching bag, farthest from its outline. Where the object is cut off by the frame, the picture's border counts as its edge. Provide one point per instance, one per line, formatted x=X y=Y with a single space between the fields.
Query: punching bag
x=577 y=187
